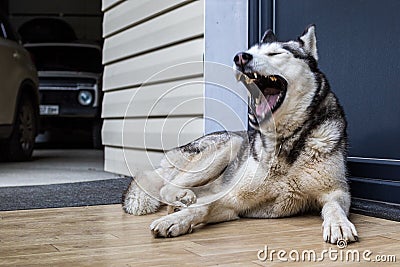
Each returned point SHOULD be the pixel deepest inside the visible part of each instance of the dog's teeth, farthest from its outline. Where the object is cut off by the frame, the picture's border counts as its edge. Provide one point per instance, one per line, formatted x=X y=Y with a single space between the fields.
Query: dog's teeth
x=239 y=76
x=272 y=78
x=248 y=80
x=255 y=75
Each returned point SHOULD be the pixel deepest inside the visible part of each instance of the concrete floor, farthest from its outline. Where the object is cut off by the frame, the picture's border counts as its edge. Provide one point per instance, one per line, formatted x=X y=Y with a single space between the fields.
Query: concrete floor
x=55 y=166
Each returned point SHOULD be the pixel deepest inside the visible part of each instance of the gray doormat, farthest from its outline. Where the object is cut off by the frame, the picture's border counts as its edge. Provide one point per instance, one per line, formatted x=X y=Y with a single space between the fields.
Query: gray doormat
x=384 y=210
x=91 y=193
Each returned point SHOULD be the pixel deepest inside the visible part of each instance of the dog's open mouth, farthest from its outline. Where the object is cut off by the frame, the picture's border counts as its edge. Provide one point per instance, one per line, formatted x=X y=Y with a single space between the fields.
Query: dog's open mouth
x=267 y=92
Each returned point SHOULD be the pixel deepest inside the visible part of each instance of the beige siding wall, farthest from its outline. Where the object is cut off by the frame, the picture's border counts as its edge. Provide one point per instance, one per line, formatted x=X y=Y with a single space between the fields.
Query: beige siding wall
x=153 y=98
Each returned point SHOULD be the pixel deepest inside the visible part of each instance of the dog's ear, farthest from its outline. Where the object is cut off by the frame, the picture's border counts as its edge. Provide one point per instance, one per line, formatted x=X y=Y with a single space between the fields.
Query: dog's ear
x=309 y=41
x=268 y=37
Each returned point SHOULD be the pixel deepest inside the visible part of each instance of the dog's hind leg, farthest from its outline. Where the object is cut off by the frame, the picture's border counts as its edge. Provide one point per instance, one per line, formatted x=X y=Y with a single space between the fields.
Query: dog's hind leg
x=197 y=169
x=171 y=183
x=182 y=168
x=336 y=226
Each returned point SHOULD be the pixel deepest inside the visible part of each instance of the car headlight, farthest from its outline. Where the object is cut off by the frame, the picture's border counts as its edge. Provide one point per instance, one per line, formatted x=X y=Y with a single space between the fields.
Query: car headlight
x=85 y=98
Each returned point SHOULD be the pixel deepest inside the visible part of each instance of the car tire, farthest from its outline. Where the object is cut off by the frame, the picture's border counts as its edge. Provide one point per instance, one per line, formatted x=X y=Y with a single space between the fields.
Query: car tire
x=96 y=134
x=19 y=146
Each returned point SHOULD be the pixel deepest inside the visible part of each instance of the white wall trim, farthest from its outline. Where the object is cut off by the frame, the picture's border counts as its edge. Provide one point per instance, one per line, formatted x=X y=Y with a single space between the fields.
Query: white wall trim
x=226 y=33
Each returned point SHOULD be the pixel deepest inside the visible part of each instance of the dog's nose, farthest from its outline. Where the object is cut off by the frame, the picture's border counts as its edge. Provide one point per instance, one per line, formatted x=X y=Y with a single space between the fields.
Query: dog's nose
x=242 y=58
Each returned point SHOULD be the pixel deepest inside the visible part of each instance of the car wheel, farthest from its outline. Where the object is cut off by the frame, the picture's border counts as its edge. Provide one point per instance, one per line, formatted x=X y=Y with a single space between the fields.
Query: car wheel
x=96 y=134
x=19 y=146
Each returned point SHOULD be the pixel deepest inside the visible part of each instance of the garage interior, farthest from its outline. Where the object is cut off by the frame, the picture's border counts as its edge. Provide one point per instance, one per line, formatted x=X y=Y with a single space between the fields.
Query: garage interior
x=68 y=164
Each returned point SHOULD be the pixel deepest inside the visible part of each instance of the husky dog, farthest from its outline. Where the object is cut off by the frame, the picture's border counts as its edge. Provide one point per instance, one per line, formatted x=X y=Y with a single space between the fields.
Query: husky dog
x=292 y=161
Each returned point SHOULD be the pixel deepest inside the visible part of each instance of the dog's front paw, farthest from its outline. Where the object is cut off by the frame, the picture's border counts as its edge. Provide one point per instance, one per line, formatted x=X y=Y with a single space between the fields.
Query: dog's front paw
x=170 y=226
x=335 y=230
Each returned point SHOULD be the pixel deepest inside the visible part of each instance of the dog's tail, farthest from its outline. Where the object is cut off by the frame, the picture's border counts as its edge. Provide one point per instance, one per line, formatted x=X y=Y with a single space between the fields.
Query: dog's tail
x=143 y=194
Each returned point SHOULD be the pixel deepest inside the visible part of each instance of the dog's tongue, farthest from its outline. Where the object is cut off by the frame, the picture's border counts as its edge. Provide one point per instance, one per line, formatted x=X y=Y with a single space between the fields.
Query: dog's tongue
x=267 y=103
x=260 y=109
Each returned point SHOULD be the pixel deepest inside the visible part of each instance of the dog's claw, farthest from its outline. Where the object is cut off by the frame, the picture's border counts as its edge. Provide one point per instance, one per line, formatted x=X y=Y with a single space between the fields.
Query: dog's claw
x=186 y=197
x=339 y=230
x=155 y=233
x=176 y=209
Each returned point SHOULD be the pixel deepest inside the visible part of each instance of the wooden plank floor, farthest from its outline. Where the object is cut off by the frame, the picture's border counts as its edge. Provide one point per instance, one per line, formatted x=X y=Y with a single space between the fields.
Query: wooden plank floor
x=105 y=236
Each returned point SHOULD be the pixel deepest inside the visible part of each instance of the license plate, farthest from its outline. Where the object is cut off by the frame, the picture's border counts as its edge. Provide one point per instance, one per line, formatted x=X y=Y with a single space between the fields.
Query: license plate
x=49 y=110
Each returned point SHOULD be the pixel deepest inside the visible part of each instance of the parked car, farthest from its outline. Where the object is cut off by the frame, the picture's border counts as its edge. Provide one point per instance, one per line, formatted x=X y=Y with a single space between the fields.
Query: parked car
x=19 y=97
x=69 y=86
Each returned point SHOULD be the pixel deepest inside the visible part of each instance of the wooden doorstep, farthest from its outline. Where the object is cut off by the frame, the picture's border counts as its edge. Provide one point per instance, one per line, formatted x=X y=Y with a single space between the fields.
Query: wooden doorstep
x=105 y=236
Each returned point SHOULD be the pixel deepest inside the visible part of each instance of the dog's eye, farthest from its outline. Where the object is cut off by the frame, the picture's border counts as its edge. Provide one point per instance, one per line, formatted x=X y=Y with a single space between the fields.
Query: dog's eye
x=273 y=54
